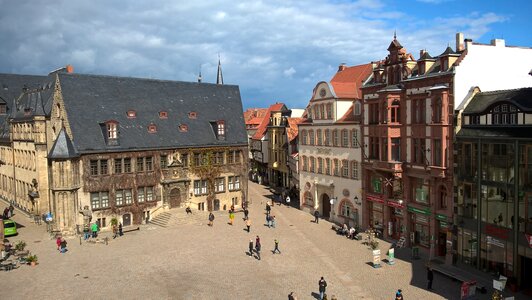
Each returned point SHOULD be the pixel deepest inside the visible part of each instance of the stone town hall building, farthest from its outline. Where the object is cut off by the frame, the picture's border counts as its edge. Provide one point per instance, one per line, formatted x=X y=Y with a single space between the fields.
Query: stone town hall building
x=101 y=146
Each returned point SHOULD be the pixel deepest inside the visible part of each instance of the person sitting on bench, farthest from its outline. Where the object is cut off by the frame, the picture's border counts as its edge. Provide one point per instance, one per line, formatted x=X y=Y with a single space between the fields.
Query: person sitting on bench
x=352 y=233
x=188 y=210
x=345 y=231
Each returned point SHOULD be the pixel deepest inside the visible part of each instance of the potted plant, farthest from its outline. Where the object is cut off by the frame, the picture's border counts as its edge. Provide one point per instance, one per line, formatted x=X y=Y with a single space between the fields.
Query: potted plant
x=374 y=244
x=32 y=259
x=20 y=246
x=114 y=221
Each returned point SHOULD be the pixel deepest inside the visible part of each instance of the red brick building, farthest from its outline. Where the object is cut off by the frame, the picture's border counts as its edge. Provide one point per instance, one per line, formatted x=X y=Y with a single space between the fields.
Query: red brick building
x=407 y=132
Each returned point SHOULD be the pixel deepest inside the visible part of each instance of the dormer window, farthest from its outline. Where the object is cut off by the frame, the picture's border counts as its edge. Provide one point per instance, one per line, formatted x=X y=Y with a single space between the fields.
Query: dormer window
x=152 y=128
x=112 y=131
x=27 y=111
x=163 y=115
x=3 y=108
x=444 y=64
x=183 y=128
x=131 y=114
x=220 y=128
x=421 y=68
x=192 y=115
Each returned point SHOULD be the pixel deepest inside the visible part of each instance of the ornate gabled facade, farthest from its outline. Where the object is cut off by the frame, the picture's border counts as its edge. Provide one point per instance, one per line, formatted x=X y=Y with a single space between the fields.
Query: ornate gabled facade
x=103 y=147
x=408 y=137
x=329 y=147
x=493 y=183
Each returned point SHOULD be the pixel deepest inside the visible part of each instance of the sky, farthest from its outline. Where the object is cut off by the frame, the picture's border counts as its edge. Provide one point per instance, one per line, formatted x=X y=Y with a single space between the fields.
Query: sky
x=275 y=51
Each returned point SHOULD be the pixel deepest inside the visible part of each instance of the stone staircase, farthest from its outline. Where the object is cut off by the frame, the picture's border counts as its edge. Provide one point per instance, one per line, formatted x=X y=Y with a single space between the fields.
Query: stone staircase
x=178 y=216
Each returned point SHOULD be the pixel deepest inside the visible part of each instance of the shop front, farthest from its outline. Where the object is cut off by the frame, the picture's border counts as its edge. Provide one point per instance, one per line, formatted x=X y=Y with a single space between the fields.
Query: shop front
x=444 y=243
x=396 y=222
x=420 y=233
x=376 y=213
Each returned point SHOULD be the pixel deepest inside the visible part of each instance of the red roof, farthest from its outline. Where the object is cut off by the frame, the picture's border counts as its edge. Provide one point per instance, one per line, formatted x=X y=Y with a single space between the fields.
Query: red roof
x=347 y=83
x=253 y=115
x=261 y=131
x=291 y=130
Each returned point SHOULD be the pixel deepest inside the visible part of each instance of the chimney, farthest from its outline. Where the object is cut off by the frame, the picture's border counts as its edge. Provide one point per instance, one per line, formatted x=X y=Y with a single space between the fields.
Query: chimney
x=468 y=43
x=341 y=67
x=69 y=69
x=498 y=42
x=459 y=42
x=421 y=52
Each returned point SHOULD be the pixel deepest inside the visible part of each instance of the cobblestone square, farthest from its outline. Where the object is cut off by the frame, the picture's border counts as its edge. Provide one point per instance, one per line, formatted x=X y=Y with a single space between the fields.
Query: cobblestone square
x=194 y=261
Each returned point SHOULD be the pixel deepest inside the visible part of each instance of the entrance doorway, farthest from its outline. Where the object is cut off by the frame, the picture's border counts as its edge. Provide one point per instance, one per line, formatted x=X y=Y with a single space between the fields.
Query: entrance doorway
x=325 y=206
x=442 y=243
x=175 y=198
x=126 y=219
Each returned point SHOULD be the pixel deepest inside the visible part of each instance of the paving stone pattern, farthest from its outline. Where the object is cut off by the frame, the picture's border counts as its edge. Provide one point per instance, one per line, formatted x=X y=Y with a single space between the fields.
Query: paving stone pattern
x=179 y=257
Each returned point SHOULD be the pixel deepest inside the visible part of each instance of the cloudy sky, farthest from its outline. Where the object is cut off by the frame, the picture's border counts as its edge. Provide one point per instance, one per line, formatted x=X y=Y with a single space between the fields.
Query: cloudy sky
x=275 y=50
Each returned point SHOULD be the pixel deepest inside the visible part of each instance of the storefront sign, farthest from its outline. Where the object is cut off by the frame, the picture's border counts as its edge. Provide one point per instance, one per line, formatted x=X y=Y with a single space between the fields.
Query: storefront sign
x=443 y=224
x=419 y=211
x=375 y=198
x=395 y=204
x=496 y=231
x=441 y=217
x=391 y=256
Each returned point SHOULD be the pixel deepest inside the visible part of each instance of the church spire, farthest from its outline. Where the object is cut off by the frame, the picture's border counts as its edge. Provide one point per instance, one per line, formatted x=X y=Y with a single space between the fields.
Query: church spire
x=219 y=76
x=199 y=76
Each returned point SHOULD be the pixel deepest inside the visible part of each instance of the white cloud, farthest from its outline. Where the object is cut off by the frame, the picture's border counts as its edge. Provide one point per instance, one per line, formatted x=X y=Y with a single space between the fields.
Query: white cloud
x=261 y=43
x=289 y=72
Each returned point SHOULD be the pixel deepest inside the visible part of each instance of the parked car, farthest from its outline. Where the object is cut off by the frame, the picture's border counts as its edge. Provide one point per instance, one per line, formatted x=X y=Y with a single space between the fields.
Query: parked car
x=10 y=227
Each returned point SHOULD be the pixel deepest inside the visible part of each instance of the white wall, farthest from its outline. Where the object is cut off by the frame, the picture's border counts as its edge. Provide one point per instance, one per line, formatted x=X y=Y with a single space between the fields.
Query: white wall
x=492 y=68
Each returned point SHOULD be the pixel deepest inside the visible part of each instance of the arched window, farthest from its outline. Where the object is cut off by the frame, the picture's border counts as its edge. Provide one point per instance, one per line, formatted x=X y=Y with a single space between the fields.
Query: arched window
x=304 y=163
x=319 y=137
x=335 y=137
x=320 y=165
x=307 y=197
x=345 y=138
x=354 y=138
x=304 y=137
x=327 y=141
x=312 y=168
x=346 y=208
x=354 y=169
x=322 y=111
x=328 y=166
x=329 y=111
x=311 y=137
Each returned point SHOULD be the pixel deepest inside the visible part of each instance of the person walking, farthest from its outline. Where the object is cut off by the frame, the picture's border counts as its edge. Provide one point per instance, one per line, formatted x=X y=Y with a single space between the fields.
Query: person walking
x=63 y=245
x=250 y=247
x=58 y=243
x=276 y=249
x=399 y=295
x=316 y=216
x=211 y=219
x=115 y=231
x=246 y=212
x=248 y=224
x=268 y=209
x=268 y=221
x=11 y=210
x=86 y=231
x=94 y=228
x=257 y=246
x=272 y=218
x=120 y=232
x=322 y=284
x=231 y=217
x=5 y=215
x=430 y=277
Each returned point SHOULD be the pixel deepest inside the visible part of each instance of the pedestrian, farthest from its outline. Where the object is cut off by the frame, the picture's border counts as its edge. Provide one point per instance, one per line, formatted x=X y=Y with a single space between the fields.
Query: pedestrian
x=322 y=286
x=276 y=249
x=246 y=212
x=272 y=218
x=94 y=228
x=58 y=243
x=399 y=295
x=5 y=215
x=86 y=231
x=211 y=219
x=316 y=216
x=248 y=224
x=430 y=277
x=268 y=208
x=257 y=247
x=11 y=210
x=231 y=217
x=63 y=245
x=232 y=207
x=250 y=247
x=115 y=231
x=268 y=220
x=188 y=210
x=288 y=201
x=120 y=232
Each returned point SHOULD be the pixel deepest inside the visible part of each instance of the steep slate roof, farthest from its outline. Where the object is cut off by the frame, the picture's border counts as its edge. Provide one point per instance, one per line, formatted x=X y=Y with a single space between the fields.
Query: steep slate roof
x=291 y=129
x=37 y=101
x=63 y=147
x=91 y=100
x=11 y=86
x=482 y=101
x=347 y=83
x=261 y=131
